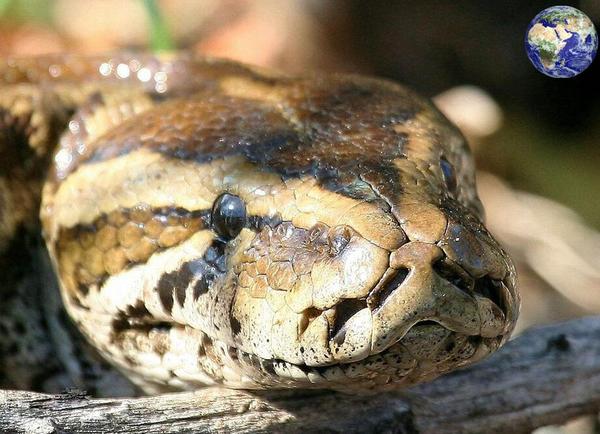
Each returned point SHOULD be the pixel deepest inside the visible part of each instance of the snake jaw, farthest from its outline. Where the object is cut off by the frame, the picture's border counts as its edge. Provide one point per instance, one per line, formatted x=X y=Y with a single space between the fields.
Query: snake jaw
x=358 y=300
x=358 y=303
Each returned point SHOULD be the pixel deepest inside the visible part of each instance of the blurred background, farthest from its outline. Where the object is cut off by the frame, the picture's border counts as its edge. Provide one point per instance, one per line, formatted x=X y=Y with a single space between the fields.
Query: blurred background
x=536 y=139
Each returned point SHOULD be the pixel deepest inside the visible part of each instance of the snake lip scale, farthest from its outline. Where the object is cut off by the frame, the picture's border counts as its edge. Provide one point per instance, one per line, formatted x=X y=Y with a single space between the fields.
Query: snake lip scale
x=213 y=223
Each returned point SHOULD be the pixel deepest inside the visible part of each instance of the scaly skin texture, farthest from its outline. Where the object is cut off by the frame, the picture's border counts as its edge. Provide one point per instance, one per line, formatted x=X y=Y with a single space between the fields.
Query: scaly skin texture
x=360 y=261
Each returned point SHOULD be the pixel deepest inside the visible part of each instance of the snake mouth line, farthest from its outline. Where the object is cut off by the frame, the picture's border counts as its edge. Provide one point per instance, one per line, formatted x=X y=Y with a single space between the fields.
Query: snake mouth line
x=393 y=365
x=427 y=342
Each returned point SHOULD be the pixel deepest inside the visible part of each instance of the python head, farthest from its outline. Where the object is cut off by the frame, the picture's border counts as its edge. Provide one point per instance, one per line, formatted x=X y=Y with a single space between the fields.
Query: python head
x=263 y=231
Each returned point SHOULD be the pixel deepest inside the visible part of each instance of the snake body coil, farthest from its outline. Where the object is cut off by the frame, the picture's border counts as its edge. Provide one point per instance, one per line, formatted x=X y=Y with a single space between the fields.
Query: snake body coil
x=212 y=223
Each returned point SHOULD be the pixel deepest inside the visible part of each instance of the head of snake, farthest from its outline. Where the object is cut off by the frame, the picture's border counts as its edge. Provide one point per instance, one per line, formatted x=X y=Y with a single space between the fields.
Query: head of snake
x=312 y=233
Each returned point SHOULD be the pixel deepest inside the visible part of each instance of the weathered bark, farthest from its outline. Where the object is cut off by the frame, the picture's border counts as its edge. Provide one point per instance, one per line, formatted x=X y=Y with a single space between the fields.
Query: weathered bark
x=547 y=375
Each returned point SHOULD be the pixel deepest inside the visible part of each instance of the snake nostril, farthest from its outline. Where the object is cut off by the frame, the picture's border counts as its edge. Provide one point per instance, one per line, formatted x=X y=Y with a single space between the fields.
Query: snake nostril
x=492 y=289
x=343 y=312
x=454 y=275
x=381 y=296
x=484 y=286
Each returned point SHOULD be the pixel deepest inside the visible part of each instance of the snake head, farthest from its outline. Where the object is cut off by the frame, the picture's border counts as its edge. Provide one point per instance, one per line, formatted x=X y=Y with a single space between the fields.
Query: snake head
x=377 y=271
x=262 y=231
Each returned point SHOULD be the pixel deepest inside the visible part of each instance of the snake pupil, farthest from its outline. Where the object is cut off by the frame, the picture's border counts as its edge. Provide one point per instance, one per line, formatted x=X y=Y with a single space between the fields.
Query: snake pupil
x=228 y=216
x=449 y=175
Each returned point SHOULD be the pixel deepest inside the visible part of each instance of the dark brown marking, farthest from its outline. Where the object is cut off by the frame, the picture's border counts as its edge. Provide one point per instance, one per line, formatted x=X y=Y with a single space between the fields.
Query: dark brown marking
x=165 y=292
x=236 y=326
x=125 y=237
x=135 y=316
x=201 y=287
x=138 y=311
x=172 y=286
x=199 y=272
x=75 y=242
x=342 y=126
x=180 y=295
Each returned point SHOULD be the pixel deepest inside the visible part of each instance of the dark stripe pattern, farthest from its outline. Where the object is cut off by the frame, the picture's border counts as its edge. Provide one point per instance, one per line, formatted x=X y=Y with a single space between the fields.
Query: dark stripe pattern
x=88 y=254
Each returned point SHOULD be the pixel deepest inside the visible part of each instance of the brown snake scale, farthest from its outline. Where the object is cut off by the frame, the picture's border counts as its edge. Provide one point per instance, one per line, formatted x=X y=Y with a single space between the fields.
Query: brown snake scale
x=213 y=223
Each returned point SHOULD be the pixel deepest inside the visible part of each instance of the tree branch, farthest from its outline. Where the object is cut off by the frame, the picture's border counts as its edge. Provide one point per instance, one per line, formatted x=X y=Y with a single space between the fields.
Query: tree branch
x=548 y=375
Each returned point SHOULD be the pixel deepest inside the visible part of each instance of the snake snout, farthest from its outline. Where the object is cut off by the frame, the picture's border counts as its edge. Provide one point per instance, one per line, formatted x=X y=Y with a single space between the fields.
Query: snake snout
x=464 y=282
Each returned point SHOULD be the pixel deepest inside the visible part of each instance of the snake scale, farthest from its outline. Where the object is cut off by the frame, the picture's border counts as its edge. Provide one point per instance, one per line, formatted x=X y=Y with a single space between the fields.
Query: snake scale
x=216 y=223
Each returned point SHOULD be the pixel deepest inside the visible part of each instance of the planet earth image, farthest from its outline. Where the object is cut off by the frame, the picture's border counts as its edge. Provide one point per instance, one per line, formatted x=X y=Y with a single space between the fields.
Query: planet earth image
x=561 y=41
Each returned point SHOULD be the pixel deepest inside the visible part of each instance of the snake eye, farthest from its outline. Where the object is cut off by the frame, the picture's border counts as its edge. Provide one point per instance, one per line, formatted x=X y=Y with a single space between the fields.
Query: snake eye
x=228 y=216
x=449 y=175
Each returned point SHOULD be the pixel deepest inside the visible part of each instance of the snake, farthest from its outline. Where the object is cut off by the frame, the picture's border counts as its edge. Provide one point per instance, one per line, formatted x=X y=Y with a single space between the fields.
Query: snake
x=215 y=223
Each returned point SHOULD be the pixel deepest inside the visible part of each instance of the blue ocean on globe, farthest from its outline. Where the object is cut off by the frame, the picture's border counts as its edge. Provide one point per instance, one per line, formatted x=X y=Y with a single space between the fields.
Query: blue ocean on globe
x=561 y=41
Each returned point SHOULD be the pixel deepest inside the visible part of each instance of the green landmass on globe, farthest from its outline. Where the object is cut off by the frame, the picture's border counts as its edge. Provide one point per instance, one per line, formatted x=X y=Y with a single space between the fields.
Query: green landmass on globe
x=561 y=41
